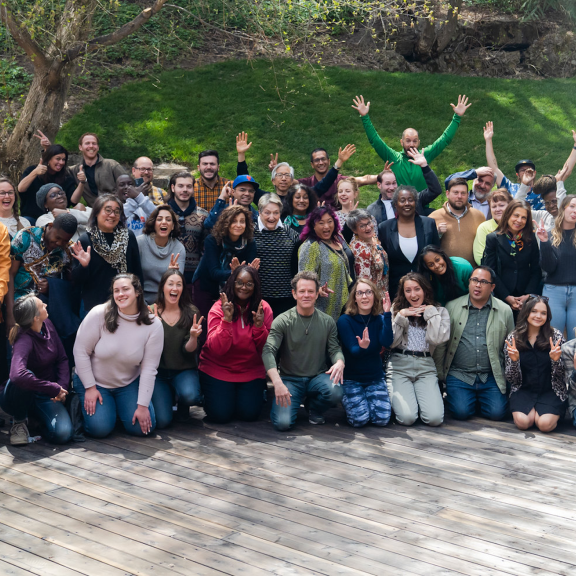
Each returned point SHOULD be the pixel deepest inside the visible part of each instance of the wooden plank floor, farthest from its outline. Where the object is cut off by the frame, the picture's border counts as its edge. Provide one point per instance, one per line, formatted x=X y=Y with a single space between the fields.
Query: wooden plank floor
x=474 y=498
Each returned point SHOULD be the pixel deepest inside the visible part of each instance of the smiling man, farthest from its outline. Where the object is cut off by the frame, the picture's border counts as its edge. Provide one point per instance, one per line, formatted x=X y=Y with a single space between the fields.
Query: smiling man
x=241 y=192
x=483 y=182
x=210 y=184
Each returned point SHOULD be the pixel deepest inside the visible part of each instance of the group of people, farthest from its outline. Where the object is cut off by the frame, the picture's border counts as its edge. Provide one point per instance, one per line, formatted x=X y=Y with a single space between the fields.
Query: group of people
x=142 y=302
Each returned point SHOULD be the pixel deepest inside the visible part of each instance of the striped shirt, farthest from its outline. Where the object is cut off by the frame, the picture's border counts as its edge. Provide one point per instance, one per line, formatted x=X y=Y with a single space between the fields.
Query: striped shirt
x=275 y=248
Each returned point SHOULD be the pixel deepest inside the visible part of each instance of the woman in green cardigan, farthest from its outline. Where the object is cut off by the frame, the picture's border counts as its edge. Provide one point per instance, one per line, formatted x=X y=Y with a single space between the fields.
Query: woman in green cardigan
x=449 y=276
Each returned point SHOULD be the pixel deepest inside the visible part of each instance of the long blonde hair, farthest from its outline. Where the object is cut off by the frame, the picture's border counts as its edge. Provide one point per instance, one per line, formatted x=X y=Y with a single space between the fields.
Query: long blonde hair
x=559 y=222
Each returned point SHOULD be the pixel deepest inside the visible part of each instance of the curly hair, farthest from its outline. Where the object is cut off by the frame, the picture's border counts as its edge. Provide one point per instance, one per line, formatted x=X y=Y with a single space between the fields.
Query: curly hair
x=150 y=226
x=255 y=299
x=308 y=233
x=289 y=201
x=220 y=229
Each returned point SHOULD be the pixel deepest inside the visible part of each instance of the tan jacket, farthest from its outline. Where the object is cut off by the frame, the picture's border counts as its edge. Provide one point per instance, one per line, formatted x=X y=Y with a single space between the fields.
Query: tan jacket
x=437 y=329
x=105 y=173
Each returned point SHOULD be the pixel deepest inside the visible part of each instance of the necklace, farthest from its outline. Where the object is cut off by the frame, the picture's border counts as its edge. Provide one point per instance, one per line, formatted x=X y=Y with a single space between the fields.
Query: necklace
x=303 y=325
x=365 y=323
x=170 y=319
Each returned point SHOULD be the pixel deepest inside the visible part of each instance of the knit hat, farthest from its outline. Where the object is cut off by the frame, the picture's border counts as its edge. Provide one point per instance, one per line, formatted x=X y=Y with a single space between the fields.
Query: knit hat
x=43 y=192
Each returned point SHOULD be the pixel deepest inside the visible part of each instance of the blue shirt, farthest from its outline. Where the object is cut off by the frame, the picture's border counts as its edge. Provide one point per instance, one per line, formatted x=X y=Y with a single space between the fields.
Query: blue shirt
x=535 y=200
x=364 y=364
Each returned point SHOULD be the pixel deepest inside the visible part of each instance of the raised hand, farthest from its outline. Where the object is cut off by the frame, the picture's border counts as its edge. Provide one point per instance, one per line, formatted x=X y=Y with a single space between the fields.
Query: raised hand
x=541 y=232
x=388 y=165
x=555 y=349
x=489 y=131
x=61 y=396
x=78 y=252
x=386 y=303
x=142 y=414
x=528 y=177
x=321 y=204
x=44 y=140
x=235 y=263
x=40 y=169
x=562 y=174
x=484 y=171
x=273 y=162
x=242 y=145
x=255 y=264
x=227 y=308
x=344 y=154
x=325 y=291
x=226 y=193
x=359 y=104
x=364 y=342
x=513 y=351
x=134 y=191
x=81 y=174
x=416 y=157
x=462 y=105
x=196 y=328
x=258 y=316
x=174 y=262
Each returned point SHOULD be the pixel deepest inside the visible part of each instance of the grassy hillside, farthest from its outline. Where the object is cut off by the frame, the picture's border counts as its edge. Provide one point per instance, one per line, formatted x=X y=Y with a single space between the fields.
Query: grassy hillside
x=291 y=109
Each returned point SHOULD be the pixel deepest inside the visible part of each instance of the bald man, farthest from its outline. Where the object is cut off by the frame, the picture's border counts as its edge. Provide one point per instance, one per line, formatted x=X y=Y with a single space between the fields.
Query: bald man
x=144 y=168
x=407 y=173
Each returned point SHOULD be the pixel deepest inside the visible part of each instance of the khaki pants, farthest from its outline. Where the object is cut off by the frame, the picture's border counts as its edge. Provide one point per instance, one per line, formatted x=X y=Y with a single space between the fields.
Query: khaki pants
x=413 y=388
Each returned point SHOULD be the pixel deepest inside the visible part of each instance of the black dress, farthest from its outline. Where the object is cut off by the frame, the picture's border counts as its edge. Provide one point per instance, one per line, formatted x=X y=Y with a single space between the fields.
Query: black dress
x=536 y=391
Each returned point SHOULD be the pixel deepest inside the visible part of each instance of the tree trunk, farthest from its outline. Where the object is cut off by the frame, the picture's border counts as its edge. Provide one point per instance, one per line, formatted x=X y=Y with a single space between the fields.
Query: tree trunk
x=435 y=37
x=42 y=110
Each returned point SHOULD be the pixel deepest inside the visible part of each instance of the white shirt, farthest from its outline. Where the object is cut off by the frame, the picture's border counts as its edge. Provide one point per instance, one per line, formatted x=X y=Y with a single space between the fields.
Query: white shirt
x=543 y=215
x=389 y=210
x=12 y=225
x=262 y=227
x=409 y=247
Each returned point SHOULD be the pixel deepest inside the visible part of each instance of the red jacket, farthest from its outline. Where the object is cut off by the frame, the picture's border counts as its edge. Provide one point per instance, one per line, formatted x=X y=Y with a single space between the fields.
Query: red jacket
x=233 y=350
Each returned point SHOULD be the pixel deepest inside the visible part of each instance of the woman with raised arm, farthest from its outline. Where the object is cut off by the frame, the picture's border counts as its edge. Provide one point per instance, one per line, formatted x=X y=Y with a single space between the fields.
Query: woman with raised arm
x=177 y=378
x=535 y=369
x=364 y=329
x=298 y=203
x=39 y=375
x=419 y=325
x=160 y=249
x=117 y=352
x=449 y=276
x=347 y=198
x=232 y=373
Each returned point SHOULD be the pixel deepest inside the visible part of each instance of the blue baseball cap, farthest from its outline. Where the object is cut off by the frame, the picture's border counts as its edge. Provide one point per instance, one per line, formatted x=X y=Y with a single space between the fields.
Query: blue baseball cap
x=245 y=178
x=528 y=163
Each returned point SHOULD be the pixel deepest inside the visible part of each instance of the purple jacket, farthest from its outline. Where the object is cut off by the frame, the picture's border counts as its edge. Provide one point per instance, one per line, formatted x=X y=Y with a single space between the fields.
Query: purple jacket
x=39 y=363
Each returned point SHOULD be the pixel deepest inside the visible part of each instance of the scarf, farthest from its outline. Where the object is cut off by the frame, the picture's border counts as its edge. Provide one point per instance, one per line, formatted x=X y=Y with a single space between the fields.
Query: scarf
x=179 y=211
x=231 y=250
x=292 y=219
x=114 y=255
x=515 y=241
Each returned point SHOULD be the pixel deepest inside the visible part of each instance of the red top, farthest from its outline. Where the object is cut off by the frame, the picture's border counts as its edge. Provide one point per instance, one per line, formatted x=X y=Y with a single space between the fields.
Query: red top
x=233 y=350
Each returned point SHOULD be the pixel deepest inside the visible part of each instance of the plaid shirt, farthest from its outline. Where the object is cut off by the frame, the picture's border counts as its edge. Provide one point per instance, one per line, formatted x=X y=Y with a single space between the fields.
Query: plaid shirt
x=206 y=197
x=158 y=196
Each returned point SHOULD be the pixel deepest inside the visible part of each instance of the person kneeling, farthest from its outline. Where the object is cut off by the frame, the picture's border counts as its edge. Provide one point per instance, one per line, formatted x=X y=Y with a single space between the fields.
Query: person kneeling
x=303 y=337
x=39 y=375
x=535 y=369
x=117 y=352
x=364 y=328
x=232 y=375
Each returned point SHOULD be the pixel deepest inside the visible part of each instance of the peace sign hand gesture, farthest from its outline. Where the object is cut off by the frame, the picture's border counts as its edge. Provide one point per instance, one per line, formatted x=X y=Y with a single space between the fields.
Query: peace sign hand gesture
x=174 y=262
x=44 y=140
x=541 y=232
x=555 y=350
x=227 y=308
x=513 y=351
x=196 y=328
x=258 y=316
x=365 y=341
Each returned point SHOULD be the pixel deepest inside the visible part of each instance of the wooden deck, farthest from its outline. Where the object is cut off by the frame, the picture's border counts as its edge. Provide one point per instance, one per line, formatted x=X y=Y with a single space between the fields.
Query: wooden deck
x=474 y=498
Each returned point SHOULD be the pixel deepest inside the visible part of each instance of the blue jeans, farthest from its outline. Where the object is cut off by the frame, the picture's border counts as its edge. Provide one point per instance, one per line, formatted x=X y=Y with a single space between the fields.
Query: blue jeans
x=461 y=398
x=226 y=401
x=185 y=385
x=562 y=302
x=54 y=419
x=320 y=395
x=116 y=402
x=366 y=402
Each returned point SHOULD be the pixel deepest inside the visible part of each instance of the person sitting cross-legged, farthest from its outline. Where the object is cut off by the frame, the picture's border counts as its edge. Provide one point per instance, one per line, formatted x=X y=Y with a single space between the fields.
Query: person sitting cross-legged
x=302 y=338
x=471 y=362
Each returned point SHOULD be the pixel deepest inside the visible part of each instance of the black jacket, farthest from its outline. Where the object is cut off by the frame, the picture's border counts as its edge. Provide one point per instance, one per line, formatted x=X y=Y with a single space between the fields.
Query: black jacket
x=426 y=196
x=515 y=275
x=426 y=233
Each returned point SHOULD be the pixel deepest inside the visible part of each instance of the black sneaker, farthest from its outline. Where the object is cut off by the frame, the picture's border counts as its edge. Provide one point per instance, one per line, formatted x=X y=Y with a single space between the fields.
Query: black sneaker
x=315 y=418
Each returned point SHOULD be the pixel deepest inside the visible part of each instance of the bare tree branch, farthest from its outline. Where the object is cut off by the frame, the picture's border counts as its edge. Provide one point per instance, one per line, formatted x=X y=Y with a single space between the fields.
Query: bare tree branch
x=117 y=35
x=22 y=37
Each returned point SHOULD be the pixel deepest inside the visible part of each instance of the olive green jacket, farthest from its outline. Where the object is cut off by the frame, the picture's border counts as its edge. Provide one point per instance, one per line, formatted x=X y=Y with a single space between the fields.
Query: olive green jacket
x=500 y=324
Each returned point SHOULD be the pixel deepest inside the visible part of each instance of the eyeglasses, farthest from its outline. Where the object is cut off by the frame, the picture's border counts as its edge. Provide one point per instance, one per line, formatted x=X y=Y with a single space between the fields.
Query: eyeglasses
x=475 y=280
x=551 y=203
x=8 y=194
x=318 y=160
x=543 y=298
x=364 y=293
x=364 y=226
x=240 y=284
x=283 y=176
x=145 y=169
x=57 y=194
x=111 y=211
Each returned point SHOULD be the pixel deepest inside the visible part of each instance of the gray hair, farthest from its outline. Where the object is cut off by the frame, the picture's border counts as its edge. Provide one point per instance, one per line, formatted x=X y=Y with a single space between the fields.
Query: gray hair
x=404 y=188
x=270 y=199
x=356 y=216
x=25 y=310
x=282 y=164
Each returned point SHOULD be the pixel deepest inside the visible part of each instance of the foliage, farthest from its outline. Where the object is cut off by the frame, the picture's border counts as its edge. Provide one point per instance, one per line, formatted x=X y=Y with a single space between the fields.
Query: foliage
x=530 y=9
x=181 y=113
x=14 y=80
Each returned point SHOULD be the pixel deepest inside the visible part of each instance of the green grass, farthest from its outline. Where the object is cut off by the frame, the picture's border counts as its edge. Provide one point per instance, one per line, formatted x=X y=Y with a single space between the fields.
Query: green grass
x=290 y=109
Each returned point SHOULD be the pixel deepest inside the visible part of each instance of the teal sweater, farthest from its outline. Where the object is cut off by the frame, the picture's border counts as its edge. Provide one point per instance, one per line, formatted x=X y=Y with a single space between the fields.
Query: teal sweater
x=463 y=270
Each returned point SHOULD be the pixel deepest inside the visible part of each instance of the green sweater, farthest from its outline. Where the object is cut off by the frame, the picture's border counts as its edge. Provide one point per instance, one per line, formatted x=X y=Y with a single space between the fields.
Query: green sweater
x=175 y=356
x=407 y=173
x=462 y=270
x=302 y=355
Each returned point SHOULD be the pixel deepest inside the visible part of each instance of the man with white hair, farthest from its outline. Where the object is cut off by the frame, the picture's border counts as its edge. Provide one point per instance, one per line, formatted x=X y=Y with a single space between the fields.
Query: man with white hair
x=484 y=179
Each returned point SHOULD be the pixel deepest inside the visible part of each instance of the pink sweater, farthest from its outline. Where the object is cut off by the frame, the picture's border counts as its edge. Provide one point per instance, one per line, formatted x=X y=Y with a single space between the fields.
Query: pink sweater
x=233 y=350
x=116 y=360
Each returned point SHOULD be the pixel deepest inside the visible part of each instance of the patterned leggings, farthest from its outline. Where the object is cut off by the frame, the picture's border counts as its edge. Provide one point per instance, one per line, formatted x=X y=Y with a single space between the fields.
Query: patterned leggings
x=366 y=402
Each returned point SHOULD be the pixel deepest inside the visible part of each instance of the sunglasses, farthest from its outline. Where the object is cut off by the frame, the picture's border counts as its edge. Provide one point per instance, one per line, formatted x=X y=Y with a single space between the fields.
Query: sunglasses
x=543 y=298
